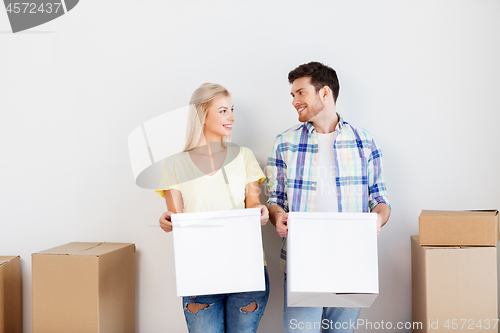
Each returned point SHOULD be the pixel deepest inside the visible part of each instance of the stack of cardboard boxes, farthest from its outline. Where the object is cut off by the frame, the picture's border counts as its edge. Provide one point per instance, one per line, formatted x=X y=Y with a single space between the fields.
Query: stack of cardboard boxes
x=454 y=271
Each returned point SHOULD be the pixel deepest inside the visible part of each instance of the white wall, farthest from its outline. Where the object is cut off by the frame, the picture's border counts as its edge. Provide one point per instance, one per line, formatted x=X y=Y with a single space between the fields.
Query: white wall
x=422 y=76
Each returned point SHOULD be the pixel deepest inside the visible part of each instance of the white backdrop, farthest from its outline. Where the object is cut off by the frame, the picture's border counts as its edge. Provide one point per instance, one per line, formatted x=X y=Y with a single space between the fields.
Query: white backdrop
x=422 y=76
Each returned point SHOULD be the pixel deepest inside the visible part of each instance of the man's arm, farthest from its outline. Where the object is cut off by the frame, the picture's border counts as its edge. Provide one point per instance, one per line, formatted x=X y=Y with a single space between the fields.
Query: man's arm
x=379 y=200
x=276 y=185
x=383 y=212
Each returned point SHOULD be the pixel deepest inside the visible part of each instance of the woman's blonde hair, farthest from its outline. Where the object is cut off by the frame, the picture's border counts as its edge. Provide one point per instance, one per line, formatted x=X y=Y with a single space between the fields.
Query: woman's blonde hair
x=200 y=103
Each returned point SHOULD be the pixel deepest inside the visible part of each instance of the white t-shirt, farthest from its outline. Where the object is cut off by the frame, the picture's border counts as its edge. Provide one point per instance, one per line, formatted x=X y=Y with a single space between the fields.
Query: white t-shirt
x=326 y=189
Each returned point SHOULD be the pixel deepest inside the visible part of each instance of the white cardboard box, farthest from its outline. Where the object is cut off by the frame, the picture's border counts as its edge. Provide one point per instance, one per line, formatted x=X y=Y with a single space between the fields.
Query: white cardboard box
x=218 y=252
x=332 y=259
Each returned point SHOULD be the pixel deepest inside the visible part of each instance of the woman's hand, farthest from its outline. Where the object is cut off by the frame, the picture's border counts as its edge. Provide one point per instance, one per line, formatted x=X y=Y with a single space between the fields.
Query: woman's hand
x=252 y=201
x=264 y=214
x=165 y=222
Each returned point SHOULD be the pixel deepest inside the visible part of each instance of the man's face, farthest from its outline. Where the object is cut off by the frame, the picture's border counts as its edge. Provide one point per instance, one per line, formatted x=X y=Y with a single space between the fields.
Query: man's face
x=305 y=99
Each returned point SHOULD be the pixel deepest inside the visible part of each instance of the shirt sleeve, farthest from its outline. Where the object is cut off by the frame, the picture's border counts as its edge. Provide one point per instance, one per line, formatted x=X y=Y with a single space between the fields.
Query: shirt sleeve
x=376 y=185
x=276 y=173
x=253 y=170
x=168 y=178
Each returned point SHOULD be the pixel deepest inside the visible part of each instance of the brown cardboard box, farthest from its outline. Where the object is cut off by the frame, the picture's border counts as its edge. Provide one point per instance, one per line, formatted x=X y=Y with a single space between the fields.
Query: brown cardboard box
x=84 y=287
x=454 y=287
x=472 y=228
x=11 y=320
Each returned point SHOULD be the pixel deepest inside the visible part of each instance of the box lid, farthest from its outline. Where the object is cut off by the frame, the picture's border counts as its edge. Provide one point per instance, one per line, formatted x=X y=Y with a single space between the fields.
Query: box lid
x=333 y=216
x=467 y=213
x=216 y=214
x=83 y=248
x=6 y=259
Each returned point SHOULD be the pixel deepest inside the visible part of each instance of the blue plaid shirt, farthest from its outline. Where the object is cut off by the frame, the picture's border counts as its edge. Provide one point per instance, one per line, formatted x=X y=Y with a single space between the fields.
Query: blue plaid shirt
x=292 y=171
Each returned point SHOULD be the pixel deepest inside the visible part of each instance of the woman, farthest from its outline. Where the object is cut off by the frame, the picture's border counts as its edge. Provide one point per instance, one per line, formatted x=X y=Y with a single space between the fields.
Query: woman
x=211 y=175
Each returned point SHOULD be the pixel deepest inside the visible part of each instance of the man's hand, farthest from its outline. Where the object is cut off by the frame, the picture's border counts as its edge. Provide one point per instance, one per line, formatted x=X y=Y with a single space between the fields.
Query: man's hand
x=282 y=224
x=165 y=222
x=383 y=212
x=279 y=219
x=379 y=223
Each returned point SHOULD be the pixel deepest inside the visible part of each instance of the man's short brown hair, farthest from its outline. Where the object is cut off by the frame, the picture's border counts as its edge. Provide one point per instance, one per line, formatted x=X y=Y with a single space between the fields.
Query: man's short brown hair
x=321 y=75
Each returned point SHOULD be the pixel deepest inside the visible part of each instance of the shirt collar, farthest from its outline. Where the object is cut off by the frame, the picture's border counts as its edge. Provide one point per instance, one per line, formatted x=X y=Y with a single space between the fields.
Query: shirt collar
x=310 y=128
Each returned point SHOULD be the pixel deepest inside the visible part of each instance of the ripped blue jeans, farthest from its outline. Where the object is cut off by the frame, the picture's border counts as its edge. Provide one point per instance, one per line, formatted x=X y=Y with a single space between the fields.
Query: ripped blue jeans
x=224 y=313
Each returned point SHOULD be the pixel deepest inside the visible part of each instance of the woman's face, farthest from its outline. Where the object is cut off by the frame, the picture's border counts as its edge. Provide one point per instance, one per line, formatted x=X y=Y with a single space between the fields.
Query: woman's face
x=219 y=120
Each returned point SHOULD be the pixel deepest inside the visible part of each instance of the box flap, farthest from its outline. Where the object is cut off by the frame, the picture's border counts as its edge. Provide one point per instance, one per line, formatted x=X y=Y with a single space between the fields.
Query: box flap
x=333 y=216
x=440 y=247
x=493 y=211
x=415 y=238
x=216 y=214
x=104 y=248
x=479 y=212
x=6 y=259
x=85 y=249
x=70 y=248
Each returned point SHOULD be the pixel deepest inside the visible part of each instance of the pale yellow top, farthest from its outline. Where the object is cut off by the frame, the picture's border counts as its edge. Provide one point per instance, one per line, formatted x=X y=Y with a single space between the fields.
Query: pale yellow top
x=201 y=192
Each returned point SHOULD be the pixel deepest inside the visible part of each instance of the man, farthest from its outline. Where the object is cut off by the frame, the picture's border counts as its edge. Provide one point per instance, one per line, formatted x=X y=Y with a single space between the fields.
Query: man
x=322 y=165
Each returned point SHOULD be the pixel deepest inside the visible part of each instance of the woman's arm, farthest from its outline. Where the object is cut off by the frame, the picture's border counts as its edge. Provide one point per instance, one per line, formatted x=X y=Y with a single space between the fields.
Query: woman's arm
x=252 y=201
x=175 y=205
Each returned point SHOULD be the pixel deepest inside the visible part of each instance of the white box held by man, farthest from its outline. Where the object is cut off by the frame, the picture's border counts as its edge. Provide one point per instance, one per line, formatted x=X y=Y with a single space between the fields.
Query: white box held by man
x=332 y=259
x=218 y=252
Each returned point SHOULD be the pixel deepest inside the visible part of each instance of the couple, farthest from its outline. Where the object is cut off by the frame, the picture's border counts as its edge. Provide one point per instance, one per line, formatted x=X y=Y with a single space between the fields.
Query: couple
x=324 y=152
